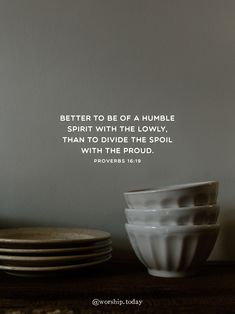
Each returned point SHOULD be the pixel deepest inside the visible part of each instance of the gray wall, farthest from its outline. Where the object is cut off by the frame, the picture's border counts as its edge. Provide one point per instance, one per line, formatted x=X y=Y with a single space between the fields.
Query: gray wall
x=113 y=56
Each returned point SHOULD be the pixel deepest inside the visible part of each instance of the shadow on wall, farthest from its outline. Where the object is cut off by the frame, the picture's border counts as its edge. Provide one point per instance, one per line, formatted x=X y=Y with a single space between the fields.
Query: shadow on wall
x=11 y=222
x=226 y=236
x=122 y=250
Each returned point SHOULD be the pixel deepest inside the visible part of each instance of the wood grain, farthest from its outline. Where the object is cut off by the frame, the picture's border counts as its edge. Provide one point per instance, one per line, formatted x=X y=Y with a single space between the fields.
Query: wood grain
x=211 y=291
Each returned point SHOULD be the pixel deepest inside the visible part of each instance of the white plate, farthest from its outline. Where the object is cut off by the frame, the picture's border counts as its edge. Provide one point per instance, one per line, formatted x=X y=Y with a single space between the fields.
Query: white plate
x=47 y=237
x=38 y=261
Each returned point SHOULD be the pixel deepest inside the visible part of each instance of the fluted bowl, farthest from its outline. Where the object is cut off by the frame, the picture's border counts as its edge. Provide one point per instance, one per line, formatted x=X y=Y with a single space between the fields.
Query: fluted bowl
x=174 y=251
x=196 y=215
x=182 y=195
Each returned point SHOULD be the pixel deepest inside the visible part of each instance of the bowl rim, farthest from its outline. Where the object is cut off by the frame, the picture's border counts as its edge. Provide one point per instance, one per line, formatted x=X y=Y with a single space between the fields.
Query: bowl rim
x=173 y=209
x=174 y=187
x=178 y=228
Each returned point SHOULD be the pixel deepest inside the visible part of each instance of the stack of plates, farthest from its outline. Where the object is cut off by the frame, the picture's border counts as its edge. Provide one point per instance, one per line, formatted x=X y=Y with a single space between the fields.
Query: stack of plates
x=44 y=251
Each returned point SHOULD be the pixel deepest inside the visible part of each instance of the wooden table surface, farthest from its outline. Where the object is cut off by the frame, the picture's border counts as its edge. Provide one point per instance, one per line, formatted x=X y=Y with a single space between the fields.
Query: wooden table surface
x=212 y=291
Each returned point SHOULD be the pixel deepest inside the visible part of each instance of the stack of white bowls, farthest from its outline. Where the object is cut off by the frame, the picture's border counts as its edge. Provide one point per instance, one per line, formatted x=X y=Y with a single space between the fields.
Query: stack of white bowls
x=173 y=229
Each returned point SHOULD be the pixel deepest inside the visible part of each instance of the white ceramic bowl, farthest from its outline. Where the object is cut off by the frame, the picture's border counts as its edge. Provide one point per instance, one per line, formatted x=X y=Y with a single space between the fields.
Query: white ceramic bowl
x=183 y=195
x=175 y=251
x=197 y=215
